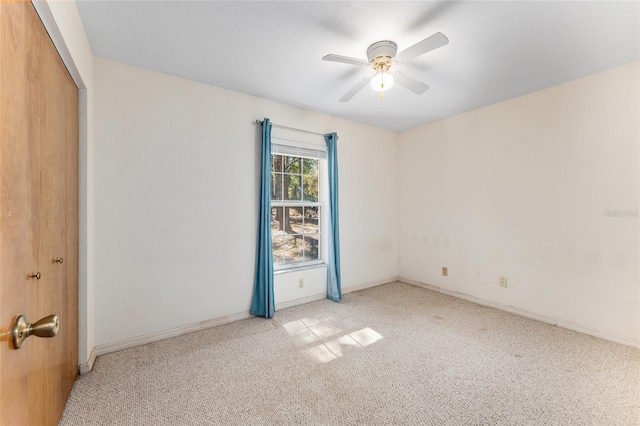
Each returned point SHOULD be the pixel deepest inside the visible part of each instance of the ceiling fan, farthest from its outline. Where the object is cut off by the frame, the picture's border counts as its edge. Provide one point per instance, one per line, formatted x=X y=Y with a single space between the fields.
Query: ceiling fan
x=381 y=57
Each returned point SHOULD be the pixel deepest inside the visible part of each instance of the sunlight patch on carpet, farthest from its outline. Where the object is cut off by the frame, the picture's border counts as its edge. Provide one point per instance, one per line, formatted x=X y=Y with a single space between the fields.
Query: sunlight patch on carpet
x=333 y=349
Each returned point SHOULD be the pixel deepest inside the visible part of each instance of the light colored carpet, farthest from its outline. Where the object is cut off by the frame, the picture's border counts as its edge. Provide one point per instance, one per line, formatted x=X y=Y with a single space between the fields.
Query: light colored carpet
x=390 y=355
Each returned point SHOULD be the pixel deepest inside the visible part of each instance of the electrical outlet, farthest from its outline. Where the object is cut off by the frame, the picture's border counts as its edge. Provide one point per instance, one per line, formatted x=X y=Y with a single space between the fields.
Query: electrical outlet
x=445 y=271
x=502 y=281
x=300 y=282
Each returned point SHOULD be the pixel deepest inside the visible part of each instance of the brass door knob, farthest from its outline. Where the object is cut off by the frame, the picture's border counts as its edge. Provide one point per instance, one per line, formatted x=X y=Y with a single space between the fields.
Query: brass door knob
x=46 y=327
x=60 y=260
x=37 y=276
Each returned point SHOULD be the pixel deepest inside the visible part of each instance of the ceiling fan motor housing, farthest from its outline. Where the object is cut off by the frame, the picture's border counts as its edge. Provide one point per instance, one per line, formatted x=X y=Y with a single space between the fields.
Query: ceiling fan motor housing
x=381 y=52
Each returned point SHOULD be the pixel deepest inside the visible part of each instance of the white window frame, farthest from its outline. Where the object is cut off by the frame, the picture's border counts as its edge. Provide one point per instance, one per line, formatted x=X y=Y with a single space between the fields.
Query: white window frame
x=315 y=152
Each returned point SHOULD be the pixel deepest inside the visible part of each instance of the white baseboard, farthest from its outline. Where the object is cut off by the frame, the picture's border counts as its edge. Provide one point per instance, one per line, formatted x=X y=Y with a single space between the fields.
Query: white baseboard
x=523 y=312
x=301 y=301
x=86 y=367
x=165 y=334
x=322 y=296
x=358 y=287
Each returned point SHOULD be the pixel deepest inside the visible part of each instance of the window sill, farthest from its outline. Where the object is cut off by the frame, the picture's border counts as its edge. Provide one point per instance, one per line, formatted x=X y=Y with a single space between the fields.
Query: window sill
x=299 y=268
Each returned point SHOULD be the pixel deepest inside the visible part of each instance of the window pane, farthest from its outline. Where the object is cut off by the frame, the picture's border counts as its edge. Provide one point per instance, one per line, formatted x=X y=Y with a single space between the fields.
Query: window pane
x=294 y=224
x=277 y=221
x=311 y=219
x=278 y=249
x=276 y=163
x=292 y=164
x=309 y=166
x=276 y=186
x=293 y=187
x=311 y=247
x=310 y=187
x=293 y=248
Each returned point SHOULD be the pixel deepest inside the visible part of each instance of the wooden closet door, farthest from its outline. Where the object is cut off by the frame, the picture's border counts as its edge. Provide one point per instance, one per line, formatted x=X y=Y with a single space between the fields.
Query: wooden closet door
x=39 y=218
x=19 y=156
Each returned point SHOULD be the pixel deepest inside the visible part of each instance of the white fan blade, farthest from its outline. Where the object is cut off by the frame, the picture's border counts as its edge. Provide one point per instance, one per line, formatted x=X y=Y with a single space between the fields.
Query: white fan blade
x=412 y=84
x=355 y=89
x=422 y=47
x=346 y=60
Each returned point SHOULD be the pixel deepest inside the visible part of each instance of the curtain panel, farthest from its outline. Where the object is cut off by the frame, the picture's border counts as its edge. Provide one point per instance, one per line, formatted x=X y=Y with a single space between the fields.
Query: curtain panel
x=263 y=304
x=334 y=286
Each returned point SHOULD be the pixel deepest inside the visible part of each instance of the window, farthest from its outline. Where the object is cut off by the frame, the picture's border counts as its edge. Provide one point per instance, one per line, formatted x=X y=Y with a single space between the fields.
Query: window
x=296 y=207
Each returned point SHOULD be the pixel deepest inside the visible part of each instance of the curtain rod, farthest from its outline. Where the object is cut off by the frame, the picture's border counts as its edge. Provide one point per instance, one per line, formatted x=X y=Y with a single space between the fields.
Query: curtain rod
x=292 y=128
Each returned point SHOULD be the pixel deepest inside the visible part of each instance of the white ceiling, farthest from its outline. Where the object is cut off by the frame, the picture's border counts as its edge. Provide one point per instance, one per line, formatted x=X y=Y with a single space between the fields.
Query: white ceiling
x=274 y=49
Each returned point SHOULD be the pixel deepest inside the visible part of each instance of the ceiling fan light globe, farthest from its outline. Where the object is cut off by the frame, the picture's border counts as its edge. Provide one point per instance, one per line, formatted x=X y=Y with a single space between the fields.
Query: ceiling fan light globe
x=382 y=82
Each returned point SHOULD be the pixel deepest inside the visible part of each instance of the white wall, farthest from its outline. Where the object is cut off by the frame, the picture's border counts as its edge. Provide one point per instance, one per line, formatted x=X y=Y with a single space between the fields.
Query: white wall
x=176 y=189
x=521 y=189
x=63 y=23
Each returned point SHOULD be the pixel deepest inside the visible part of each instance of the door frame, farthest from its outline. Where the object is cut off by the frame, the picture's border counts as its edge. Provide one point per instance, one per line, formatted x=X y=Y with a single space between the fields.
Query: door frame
x=62 y=22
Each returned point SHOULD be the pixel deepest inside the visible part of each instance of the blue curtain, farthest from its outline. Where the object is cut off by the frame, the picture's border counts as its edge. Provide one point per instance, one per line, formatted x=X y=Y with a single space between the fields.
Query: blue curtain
x=334 y=288
x=263 y=304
